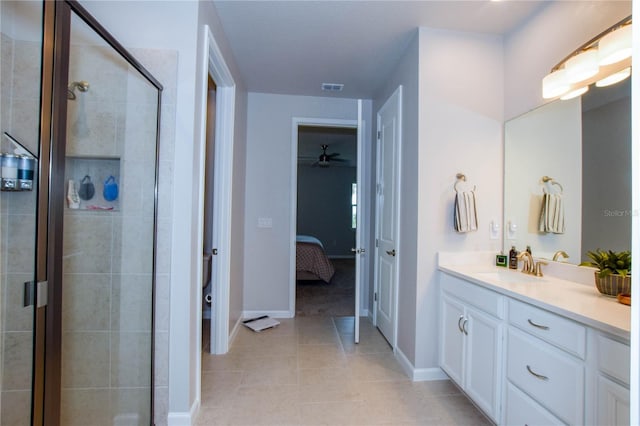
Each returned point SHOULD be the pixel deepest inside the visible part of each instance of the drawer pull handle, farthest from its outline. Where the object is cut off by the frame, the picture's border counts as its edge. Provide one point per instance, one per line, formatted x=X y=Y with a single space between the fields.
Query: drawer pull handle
x=460 y=326
x=464 y=327
x=542 y=327
x=536 y=375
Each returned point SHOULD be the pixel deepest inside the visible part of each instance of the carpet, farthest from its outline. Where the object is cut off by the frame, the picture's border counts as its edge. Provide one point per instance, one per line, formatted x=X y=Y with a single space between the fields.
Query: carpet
x=317 y=298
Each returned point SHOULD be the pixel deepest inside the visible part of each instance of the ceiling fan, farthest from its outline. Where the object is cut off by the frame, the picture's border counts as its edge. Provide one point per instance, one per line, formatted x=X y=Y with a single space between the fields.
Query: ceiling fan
x=325 y=159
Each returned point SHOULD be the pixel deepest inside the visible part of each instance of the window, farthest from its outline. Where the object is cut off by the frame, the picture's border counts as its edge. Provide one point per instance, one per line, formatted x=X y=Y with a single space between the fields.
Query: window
x=354 y=205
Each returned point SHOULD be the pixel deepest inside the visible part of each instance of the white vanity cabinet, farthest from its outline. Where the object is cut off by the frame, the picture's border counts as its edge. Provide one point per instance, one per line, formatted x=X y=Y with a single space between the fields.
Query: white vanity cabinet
x=611 y=381
x=526 y=356
x=471 y=332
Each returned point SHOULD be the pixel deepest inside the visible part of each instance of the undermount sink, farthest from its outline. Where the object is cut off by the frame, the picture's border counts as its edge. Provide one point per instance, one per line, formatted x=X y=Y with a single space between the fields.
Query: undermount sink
x=509 y=277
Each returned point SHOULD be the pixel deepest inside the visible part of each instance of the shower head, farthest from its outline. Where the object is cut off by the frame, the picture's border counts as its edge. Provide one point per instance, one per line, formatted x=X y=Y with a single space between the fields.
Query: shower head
x=82 y=86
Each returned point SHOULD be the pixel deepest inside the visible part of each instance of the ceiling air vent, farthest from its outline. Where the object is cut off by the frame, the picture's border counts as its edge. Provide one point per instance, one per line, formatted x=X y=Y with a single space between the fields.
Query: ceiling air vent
x=332 y=87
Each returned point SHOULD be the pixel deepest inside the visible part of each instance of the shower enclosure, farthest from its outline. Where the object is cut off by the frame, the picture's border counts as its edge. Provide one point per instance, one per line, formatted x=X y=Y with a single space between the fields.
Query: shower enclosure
x=77 y=248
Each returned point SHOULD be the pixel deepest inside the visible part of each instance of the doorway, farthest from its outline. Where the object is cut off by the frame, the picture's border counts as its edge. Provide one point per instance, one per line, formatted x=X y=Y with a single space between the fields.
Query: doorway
x=326 y=221
x=361 y=190
x=208 y=246
x=78 y=260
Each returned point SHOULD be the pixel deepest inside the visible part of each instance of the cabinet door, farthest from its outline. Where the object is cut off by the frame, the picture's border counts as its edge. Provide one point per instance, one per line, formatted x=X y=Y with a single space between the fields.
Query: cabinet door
x=484 y=358
x=452 y=338
x=613 y=403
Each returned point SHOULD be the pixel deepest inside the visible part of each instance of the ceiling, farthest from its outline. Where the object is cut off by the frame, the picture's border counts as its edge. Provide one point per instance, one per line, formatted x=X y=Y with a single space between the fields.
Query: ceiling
x=292 y=47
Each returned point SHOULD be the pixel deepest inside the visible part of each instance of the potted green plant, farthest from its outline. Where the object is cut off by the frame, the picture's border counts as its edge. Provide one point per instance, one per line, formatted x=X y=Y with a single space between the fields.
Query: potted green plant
x=614 y=271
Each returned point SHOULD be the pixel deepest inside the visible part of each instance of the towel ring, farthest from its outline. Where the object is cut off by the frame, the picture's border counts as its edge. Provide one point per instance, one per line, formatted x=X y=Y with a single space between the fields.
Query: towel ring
x=552 y=181
x=461 y=178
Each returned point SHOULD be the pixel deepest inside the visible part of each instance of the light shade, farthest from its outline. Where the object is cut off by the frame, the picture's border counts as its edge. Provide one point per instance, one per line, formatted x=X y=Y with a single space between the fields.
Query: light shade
x=575 y=93
x=582 y=66
x=555 y=84
x=614 y=78
x=615 y=46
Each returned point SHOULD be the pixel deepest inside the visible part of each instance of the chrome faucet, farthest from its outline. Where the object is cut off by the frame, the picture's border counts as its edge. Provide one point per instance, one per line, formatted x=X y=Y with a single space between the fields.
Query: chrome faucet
x=527 y=259
x=559 y=253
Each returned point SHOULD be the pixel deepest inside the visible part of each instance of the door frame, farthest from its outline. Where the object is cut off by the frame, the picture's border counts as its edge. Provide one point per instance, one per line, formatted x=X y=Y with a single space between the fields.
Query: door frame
x=396 y=231
x=213 y=63
x=295 y=123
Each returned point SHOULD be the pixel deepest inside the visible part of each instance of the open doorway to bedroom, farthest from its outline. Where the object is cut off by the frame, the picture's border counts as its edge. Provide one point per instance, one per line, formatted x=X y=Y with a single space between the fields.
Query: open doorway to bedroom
x=326 y=221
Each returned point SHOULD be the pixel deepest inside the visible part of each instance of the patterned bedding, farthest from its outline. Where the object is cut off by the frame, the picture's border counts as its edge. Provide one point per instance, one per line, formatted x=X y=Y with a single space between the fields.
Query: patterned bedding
x=311 y=258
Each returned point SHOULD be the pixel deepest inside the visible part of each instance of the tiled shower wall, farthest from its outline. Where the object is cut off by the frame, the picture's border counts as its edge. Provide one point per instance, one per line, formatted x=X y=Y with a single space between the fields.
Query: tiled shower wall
x=19 y=105
x=105 y=316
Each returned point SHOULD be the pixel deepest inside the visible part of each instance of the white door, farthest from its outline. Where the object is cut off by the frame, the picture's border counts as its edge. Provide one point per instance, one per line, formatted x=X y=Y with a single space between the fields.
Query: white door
x=483 y=334
x=211 y=232
x=452 y=338
x=387 y=180
x=359 y=250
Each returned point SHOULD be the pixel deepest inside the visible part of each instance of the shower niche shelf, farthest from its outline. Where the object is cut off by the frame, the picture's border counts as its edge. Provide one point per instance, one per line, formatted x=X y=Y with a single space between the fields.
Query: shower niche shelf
x=98 y=169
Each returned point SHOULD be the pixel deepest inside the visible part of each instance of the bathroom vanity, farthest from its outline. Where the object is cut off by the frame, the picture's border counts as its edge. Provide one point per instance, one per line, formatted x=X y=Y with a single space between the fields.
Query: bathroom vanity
x=533 y=350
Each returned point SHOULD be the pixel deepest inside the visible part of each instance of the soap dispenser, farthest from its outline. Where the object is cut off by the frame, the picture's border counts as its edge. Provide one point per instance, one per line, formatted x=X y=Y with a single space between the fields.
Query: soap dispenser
x=513 y=258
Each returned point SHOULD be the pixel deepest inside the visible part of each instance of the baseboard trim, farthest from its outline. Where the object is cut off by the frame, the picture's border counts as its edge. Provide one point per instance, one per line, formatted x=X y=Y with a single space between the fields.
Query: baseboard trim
x=419 y=374
x=428 y=374
x=272 y=314
x=184 y=418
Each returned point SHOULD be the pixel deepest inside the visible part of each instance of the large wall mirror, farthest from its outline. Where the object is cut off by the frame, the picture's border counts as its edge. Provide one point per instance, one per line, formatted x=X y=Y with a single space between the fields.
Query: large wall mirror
x=579 y=151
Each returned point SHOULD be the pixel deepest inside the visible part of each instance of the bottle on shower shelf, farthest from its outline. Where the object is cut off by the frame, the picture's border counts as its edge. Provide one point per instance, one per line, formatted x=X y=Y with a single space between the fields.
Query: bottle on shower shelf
x=73 y=199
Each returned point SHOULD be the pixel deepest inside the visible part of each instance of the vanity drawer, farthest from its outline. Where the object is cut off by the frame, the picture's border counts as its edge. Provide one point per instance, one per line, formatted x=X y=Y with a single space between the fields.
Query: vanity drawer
x=548 y=375
x=613 y=358
x=552 y=328
x=486 y=300
x=522 y=410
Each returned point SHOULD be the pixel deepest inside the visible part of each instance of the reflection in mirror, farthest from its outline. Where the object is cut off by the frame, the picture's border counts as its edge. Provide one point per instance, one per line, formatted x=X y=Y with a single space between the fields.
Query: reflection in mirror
x=584 y=144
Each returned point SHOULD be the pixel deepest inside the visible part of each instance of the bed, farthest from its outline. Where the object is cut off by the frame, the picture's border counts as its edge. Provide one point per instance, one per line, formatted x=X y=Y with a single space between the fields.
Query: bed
x=311 y=261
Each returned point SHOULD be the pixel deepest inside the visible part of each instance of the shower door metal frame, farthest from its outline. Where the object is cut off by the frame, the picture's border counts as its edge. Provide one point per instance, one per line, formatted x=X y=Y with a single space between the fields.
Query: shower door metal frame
x=55 y=69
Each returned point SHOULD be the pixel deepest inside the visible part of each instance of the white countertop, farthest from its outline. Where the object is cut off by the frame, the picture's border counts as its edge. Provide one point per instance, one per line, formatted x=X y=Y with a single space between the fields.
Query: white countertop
x=580 y=302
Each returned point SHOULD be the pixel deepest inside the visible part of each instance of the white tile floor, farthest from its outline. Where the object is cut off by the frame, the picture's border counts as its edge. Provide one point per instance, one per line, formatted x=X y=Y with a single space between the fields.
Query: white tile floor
x=308 y=371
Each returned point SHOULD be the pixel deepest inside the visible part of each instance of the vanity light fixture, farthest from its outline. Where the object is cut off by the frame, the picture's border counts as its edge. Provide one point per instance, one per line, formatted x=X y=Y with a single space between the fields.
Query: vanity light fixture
x=614 y=78
x=615 y=46
x=604 y=60
x=575 y=93
x=582 y=66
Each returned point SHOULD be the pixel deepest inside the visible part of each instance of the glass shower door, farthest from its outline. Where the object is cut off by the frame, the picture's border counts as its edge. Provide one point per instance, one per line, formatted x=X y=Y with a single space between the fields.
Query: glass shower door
x=20 y=75
x=108 y=235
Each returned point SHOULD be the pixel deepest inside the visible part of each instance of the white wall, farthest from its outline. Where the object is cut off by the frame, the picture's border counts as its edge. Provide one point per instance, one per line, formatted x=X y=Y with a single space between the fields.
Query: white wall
x=452 y=122
x=460 y=128
x=547 y=38
x=268 y=191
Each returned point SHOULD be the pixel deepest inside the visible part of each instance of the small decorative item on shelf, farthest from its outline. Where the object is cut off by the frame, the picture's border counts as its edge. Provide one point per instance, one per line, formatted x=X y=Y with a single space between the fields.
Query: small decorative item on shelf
x=110 y=192
x=614 y=271
x=87 y=190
